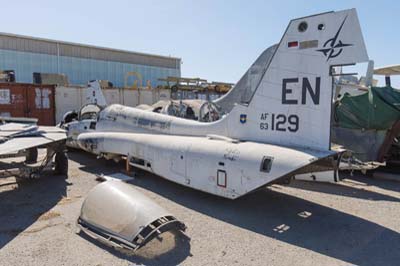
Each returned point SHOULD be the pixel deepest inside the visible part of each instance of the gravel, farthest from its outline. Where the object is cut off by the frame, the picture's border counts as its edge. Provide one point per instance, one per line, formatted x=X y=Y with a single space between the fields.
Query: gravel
x=356 y=222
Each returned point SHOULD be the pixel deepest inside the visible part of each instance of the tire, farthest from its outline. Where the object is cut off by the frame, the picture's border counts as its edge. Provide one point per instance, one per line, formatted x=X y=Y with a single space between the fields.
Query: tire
x=61 y=163
x=31 y=156
x=174 y=88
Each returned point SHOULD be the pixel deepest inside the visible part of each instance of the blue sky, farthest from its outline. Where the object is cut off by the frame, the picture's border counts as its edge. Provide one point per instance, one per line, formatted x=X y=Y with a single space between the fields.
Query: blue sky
x=217 y=40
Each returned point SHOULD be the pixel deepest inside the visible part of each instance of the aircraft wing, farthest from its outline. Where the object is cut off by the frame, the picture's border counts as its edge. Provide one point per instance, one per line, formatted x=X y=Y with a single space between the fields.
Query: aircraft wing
x=388 y=70
x=15 y=137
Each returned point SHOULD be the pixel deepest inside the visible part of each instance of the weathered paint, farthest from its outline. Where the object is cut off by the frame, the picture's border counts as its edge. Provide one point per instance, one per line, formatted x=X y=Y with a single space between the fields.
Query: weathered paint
x=195 y=161
x=74 y=97
x=28 y=100
x=284 y=127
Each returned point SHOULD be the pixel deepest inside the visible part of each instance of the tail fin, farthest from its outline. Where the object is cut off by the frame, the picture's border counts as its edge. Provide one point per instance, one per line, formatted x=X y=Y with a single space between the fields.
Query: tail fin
x=245 y=87
x=94 y=94
x=291 y=103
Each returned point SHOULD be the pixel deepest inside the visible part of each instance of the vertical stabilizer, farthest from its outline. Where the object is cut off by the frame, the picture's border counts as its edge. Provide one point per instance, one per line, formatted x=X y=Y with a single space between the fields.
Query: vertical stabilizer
x=292 y=101
x=94 y=95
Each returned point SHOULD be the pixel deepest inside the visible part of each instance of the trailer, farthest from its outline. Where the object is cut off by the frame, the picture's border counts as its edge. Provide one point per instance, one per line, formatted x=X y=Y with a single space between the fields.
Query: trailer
x=28 y=150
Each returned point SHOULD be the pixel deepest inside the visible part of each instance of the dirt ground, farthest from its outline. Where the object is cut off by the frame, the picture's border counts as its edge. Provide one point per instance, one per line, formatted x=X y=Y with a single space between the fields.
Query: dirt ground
x=356 y=222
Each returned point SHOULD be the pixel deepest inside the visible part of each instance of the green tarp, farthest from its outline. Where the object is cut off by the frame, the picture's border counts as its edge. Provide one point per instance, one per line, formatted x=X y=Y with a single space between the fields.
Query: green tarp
x=378 y=109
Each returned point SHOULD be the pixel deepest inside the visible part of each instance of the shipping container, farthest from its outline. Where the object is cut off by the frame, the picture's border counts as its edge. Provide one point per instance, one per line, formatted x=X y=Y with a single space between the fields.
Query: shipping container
x=28 y=100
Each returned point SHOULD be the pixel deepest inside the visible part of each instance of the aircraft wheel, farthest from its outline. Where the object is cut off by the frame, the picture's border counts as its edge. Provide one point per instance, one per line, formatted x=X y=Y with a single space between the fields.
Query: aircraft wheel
x=174 y=88
x=31 y=156
x=61 y=163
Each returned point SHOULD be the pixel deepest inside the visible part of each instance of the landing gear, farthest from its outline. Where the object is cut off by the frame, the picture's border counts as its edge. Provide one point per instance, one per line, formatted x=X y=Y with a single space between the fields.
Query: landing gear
x=285 y=181
x=36 y=162
x=31 y=156
x=61 y=163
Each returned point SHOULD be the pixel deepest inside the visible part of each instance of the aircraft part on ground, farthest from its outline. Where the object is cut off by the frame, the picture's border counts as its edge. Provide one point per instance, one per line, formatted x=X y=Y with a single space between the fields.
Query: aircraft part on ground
x=16 y=136
x=118 y=215
x=24 y=140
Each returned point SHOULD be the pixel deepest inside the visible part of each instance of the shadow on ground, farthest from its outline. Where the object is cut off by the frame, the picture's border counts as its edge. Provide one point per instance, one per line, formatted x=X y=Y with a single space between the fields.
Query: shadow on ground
x=290 y=219
x=169 y=249
x=361 y=192
x=287 y=218
x=23 y=201
x=379 y=182
x=89 y=163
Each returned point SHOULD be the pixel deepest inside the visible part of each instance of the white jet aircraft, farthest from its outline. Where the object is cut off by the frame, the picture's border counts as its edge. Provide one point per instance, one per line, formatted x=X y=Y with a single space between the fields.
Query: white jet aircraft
x=281 y=130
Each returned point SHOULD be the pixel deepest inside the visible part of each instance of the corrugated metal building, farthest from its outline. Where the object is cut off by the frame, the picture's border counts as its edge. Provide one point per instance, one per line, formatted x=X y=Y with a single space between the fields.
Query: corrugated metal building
x=81 y=63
